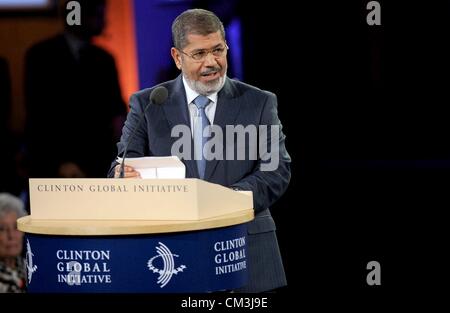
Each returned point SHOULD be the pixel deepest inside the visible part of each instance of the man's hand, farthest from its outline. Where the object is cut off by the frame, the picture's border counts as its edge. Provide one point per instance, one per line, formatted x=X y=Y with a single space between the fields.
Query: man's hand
x=128 y=172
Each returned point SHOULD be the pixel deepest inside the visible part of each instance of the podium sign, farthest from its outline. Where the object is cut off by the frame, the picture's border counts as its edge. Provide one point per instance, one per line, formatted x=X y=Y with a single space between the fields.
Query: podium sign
x=135 y=236
x=133 y=199
x=204 y=261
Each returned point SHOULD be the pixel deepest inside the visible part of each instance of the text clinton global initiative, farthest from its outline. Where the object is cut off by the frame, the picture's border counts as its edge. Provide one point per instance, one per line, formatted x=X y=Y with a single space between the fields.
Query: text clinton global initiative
x=111 y=188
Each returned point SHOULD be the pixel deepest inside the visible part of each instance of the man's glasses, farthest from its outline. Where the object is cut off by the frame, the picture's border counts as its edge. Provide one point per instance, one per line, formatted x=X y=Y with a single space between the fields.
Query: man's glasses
x=201 y=55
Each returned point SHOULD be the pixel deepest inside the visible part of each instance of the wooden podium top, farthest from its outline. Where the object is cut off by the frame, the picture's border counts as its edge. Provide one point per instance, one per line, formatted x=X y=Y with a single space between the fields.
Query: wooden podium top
x=127 y=227
x=133 y=199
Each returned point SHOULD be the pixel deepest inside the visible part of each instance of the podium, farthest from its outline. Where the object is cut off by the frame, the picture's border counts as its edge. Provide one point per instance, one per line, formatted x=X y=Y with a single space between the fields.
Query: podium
x=135 y=236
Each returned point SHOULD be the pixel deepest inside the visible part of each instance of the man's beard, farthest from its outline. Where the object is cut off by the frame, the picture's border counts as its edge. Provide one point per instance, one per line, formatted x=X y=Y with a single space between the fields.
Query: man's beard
x=208 y=88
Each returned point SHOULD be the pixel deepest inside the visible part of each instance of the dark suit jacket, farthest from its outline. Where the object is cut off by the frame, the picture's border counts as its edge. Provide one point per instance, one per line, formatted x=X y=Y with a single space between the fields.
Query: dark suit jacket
x=71 y=105
x=9 y=178
x=238 y=104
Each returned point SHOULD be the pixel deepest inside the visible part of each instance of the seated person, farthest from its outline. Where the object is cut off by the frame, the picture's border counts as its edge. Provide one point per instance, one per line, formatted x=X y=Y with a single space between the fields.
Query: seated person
x=12 y=264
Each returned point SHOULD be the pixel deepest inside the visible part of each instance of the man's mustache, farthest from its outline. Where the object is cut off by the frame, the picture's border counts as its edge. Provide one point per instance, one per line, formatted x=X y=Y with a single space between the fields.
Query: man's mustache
x=210 y=70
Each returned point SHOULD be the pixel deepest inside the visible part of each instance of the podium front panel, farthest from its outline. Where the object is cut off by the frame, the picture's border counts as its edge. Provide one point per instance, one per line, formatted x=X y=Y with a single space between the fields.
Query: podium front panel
x=197 y=261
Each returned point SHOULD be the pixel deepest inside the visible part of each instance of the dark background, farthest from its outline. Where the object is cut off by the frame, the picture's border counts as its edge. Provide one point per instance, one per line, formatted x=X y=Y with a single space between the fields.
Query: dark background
x=364 y=111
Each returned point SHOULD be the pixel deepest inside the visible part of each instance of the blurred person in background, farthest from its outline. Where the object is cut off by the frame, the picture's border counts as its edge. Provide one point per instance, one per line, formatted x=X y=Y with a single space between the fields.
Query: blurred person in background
x=6 y=156
x=75 y=109
x=10 y=180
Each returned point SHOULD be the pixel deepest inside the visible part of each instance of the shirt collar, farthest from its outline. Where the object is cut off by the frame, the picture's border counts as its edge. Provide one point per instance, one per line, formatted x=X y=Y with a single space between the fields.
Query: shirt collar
x=192 y=94
x=75 y=44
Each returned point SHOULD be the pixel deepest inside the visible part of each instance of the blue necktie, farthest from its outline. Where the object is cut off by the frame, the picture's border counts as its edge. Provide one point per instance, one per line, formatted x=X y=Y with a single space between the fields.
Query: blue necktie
x=199 y=139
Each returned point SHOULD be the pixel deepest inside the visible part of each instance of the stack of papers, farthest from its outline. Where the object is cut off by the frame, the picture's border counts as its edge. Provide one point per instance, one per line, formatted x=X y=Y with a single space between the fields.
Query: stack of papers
x=157 y=167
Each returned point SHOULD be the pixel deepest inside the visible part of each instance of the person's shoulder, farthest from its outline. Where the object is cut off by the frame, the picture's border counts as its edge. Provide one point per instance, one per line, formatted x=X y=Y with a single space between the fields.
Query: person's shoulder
x=144 y=94
x=242 y=88
x=49 y=44
x=101 y=53
x=4 y=69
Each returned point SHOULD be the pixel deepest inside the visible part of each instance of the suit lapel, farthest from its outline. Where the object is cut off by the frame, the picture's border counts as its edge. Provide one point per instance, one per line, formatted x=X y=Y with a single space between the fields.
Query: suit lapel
x=227 y=111
x=176 y=111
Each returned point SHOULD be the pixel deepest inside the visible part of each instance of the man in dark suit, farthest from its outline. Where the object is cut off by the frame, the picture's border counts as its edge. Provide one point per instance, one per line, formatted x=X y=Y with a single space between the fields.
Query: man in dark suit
x=200 y=53
x=74 y=105
x=7 y=156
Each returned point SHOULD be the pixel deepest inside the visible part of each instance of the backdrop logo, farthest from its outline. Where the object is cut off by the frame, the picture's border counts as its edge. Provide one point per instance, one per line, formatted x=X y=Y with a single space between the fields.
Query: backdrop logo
x=74 y=16
x=31 y=268
x=168 y=265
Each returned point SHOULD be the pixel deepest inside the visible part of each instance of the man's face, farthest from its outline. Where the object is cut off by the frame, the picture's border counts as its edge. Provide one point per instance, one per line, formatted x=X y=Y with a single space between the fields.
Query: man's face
x=206 y=75
x=10 y=237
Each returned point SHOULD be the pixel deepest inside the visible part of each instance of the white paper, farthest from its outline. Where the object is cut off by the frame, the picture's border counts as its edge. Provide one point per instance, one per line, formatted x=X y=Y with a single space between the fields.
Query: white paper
x=157 y=167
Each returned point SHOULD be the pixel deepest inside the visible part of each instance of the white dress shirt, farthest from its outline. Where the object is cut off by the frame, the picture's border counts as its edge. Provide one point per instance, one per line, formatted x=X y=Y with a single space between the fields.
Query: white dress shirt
x=210 y=110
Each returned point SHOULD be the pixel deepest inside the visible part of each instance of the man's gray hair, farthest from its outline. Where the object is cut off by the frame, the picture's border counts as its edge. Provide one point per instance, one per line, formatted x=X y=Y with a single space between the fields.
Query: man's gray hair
x=195 y=21
x=10 y=203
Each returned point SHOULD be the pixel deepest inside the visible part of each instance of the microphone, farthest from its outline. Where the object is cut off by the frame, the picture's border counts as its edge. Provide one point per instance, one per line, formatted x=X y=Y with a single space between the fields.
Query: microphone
x=158 y=96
